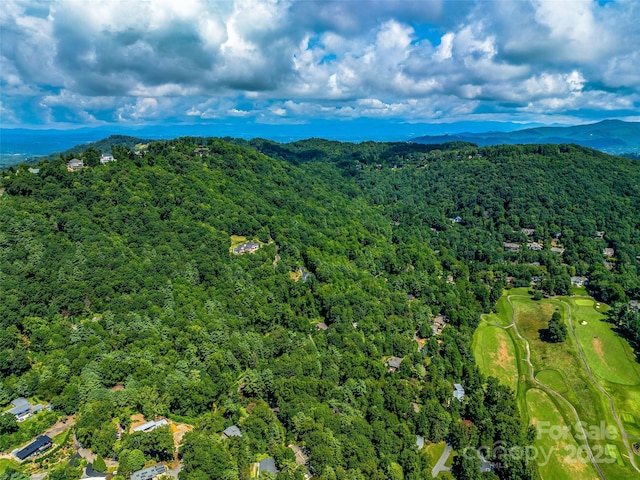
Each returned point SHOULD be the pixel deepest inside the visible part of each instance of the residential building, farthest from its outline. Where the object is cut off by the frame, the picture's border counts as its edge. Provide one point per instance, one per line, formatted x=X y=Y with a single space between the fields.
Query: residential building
x=579 y=281
x=248 y=247
x=39 y=445
x=511 y=247
x=106 y=158
x=150 y=426
x=75 y=164
x=149 y=473
x=458 y=391
x=393 y=363
x=232 y=431
x=267 y=465
x=21 y=406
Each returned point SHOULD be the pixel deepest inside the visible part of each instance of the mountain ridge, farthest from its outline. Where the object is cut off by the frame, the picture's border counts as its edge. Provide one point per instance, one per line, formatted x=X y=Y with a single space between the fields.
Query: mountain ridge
x=610 y=136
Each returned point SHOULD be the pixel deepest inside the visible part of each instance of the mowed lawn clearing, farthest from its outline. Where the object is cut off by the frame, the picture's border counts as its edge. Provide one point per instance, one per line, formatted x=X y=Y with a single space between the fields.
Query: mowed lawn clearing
x=495 y=354
x=555 y=446
x=609 y=356
x=552 y=379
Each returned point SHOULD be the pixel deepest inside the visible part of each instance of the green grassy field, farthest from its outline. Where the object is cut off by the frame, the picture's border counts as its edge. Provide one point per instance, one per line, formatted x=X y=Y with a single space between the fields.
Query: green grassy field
x=6 y=463
x=561 y=368
x=608 y=355
x=555 y=448
x=553 y=379
x=495 y=354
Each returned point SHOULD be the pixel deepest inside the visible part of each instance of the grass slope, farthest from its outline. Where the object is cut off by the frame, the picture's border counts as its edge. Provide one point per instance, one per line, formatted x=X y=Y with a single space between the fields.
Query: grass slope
x=559 y=367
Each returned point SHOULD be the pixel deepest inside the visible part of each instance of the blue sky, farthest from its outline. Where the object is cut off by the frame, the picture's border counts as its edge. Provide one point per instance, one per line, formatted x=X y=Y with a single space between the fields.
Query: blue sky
x=149 y=62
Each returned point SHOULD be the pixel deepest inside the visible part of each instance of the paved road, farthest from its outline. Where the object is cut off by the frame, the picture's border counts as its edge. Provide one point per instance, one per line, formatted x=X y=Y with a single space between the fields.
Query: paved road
x=61 y=426
x=174 y=471
x=440 y=467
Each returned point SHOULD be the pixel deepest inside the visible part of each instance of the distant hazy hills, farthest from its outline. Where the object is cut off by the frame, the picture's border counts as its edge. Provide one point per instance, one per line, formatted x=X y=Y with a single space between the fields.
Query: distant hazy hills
x=610 y=136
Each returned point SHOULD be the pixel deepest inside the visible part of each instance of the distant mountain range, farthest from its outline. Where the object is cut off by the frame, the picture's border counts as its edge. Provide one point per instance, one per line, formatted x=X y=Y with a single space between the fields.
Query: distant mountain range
x=610 y=136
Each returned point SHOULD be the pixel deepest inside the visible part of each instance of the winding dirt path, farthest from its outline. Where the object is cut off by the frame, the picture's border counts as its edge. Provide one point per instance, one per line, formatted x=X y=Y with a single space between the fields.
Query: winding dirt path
x=546 y=388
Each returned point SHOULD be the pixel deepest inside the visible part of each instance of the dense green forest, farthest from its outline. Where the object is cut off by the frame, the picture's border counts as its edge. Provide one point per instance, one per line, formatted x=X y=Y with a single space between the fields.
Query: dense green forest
x=121 y=294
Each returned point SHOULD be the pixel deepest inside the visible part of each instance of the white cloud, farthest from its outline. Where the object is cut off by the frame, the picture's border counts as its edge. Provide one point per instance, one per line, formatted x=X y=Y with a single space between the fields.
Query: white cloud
x=137 y=60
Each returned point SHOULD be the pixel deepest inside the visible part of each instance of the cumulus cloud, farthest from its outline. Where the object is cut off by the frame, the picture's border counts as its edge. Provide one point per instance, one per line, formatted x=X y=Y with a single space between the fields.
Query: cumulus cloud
x=152 y=60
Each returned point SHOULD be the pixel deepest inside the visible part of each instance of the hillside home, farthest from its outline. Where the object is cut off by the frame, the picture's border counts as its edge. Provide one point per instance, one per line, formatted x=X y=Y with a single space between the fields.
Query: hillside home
x=74 y=165
x=579 y=281
x=393 y=363
x=511 y=247
x=20 y=406
x=267 y=465
x=528 y=231
x=39 y=445
x=608 y=252
x=535 y=246
x=22 y=409
x=458 y=391
x=150 y=426
x=232 y=431
x=149 y=473
x=248 y=247
x=439 y=322
x=105 y=158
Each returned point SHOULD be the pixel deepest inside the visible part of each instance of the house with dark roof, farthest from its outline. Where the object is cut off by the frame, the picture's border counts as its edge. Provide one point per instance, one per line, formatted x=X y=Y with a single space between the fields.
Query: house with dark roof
x=248 y=247
x=39 y=445
x=232 y=431
x=267 y=465
x=149 y=473
x=393 y=363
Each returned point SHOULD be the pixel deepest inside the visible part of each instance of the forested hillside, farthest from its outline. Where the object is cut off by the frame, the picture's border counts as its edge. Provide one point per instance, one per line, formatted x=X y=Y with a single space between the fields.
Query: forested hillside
x=122 y=294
